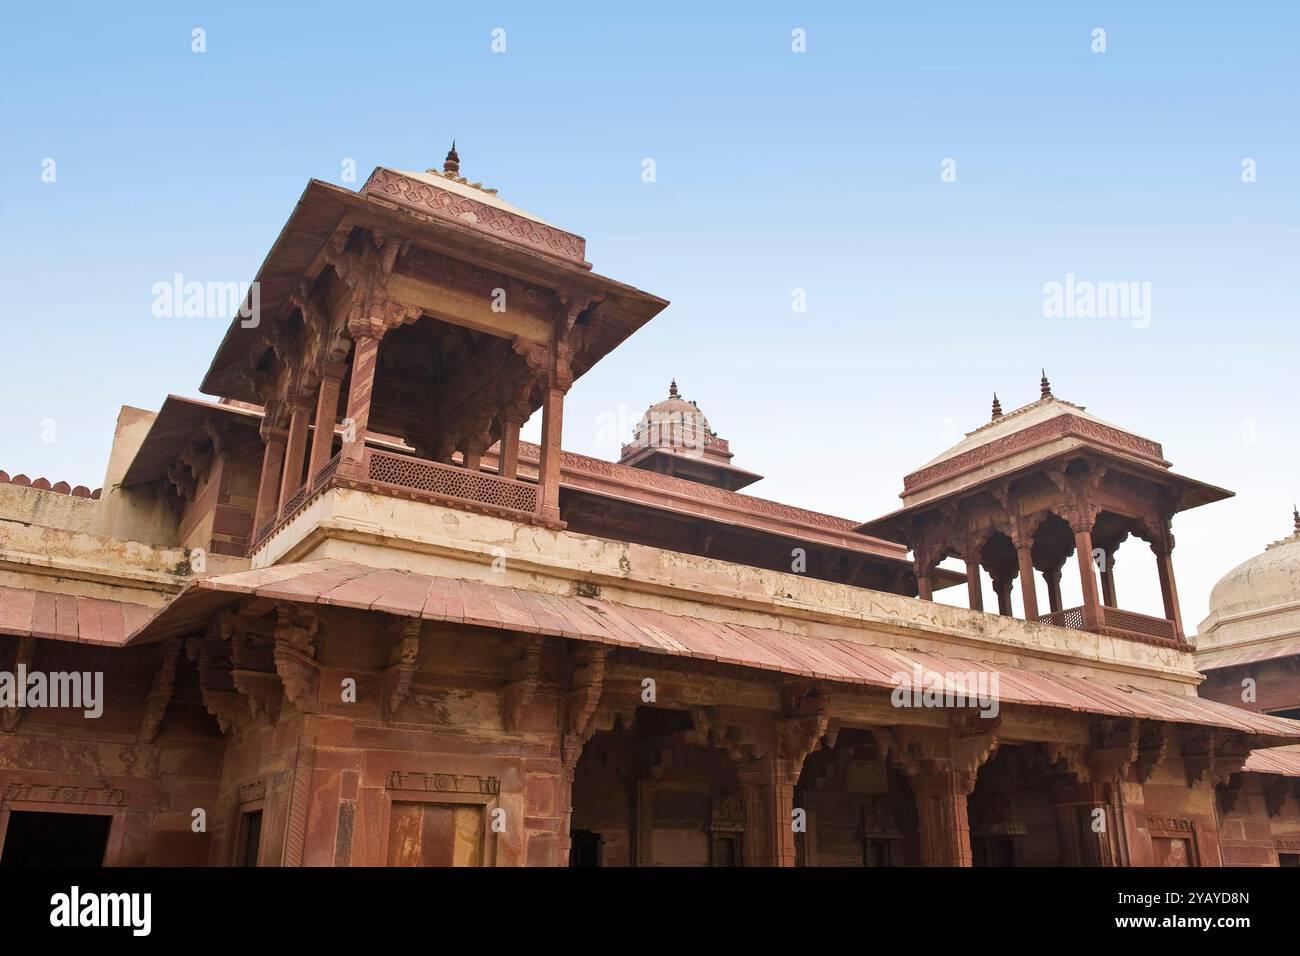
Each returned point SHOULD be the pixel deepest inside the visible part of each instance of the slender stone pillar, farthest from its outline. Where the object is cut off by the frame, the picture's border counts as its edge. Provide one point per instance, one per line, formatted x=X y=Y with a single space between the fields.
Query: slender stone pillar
x=327 y=404
x=1053 y=579
x=1002 y=587
x=1168 y=589
x=942 y=820
x=1028 y=592
x=1088 y=579
x=924 y=587
x=294 y=451
x=268 y=488
x=366 y=335
x=974 y=586
x=1108 y=580
x=643 y=801
x=473 y=457
x=768 y=786
x=548 y=477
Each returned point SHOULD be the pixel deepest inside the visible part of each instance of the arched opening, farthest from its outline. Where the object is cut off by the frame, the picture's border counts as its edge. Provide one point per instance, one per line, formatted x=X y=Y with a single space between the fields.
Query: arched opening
x=859 y=811
x=1052 y=549
x=1012 y=810
x=1130 y=583
x=997 y=556
x=652 y=795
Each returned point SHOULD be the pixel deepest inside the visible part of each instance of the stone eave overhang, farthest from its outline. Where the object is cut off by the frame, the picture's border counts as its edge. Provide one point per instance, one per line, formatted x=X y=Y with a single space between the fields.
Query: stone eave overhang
x=1193 y=493
x=700 y=635
x=323 y=208
x=737 y=477
x=171 y=431
x=680 y=496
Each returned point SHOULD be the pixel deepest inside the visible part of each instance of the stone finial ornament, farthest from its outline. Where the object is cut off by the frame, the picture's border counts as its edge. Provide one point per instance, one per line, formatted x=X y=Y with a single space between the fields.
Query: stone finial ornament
x=451 y=165
x=1044 y=386
x=997 y=408
x=1295 y=518
x=672 y=390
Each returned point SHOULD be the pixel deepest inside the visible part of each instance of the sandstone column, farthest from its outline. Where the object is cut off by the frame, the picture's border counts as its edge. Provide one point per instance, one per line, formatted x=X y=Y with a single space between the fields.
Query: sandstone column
x=1087 y=577
x=1168 y=589
x=366 y=335
x=294 y=451
x=974 y=586
x=327 y=404
x=768 y=786
x=268 y=489
x=1028 y=592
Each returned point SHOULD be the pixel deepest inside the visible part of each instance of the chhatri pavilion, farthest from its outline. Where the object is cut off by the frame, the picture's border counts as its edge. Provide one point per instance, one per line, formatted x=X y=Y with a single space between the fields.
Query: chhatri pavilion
x=345 y=615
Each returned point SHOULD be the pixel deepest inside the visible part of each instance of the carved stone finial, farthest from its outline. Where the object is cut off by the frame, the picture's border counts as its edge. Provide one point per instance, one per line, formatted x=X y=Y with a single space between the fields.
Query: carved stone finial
x=451 y=165
x=672 y=389
x=1044 y=385
x=997 y=407
x=1295 y=517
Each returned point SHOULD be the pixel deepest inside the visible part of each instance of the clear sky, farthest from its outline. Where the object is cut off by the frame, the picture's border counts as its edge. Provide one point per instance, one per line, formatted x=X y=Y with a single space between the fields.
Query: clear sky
x=774 y=171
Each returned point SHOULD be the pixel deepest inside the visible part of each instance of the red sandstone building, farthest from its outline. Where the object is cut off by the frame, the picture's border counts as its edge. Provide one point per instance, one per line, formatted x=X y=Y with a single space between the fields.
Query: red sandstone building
x=345 y=616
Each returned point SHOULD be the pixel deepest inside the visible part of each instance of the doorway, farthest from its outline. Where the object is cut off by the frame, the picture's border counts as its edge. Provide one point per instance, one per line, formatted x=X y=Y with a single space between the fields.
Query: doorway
x=55 y=839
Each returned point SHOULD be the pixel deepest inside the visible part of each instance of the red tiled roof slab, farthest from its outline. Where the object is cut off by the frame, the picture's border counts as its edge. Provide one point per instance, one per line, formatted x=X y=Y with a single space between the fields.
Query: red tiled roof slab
x=66 y=617
x=411 y=594
x=1279 y=760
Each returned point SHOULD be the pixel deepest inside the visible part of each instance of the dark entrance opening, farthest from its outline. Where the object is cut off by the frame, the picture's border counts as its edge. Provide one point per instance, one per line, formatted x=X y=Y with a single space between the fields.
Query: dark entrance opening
x=55 y=839
x=586 y=847
x=252 y=840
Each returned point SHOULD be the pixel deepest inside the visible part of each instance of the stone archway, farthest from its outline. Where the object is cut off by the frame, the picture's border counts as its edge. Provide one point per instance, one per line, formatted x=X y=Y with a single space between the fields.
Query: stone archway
x=655 y=794
x=859 y=810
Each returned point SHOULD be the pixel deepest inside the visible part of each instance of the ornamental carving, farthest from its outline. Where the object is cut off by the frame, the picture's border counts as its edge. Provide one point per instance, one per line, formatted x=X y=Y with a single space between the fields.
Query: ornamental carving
x=445 y=204
x=104 y=796
x=1041 y=433
x=434 y=782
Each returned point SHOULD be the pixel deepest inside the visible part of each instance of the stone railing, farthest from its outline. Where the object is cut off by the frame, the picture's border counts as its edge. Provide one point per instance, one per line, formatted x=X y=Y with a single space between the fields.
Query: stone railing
x=450 y=482
x=1071 y=618
x=1143 y=624
x=388 y=473
x=1129 y=624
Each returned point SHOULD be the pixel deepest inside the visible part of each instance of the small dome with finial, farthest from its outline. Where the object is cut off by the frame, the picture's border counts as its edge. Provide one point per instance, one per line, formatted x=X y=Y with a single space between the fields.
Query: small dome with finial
x=997 y=407
x=1044 y=386
x=451 y=165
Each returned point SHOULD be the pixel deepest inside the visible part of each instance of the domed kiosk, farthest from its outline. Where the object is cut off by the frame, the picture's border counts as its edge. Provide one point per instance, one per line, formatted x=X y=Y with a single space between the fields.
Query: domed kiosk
x=674 y=438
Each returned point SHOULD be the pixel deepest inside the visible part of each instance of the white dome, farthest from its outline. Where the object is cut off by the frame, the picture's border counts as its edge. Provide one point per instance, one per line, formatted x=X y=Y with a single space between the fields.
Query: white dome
x=1266 y=580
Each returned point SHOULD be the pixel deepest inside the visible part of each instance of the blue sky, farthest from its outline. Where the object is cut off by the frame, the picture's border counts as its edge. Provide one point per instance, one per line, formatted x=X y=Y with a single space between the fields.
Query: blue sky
x=775 y=171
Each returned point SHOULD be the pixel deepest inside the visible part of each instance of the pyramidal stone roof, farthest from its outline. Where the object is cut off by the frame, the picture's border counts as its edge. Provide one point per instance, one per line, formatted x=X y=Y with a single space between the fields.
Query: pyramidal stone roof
x=1019 y=420
x=1033 y=432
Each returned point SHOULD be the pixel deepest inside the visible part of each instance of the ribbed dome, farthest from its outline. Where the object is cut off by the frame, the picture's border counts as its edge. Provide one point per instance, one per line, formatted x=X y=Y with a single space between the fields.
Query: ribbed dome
x=673 y=423
x=1266 y=580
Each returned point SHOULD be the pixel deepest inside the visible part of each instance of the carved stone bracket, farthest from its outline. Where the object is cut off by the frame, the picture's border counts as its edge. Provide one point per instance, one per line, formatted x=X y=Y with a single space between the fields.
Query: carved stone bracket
x=1276 y=789
x=1114 y=750
x=24 y=657
x=1212 y=753
x=525 y=673
x=1153 y=745
x=1229 y=792
x=586 y=683
x=164 y=684
x=295 y=656
x=395 y=681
